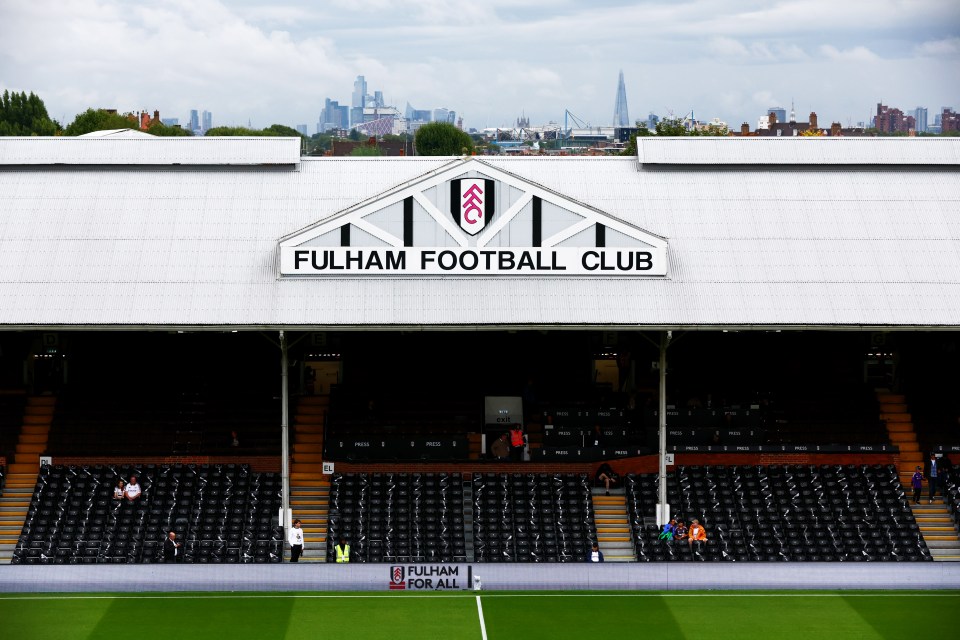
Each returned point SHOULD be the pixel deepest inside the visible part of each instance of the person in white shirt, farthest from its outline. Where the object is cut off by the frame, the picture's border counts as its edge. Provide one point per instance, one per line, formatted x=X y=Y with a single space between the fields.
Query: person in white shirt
x=118 y=491
x=133 y=490
x=295 y=538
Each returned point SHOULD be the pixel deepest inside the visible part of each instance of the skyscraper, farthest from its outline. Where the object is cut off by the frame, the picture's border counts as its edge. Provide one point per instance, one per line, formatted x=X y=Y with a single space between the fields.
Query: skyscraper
x=194 y=120
x=920 y=115
x=207 y=121
x=359 y=100
x=334 y=116
x=780 y=112
x=621 y=117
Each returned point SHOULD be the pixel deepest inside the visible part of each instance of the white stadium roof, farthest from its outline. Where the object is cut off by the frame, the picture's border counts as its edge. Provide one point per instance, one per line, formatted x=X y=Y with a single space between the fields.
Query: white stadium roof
x=171 y=233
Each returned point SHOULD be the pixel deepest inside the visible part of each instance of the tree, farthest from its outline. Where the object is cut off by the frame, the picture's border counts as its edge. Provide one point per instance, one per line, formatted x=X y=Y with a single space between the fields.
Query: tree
x=366 y=150
x=99 y=120
x=631 y=148
x=160 y=129
x=25 y=115
x=442 y=139
x=354 y=135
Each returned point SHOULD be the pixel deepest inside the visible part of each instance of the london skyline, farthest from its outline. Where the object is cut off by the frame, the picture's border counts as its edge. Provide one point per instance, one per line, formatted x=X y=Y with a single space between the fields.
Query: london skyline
x=491 y=61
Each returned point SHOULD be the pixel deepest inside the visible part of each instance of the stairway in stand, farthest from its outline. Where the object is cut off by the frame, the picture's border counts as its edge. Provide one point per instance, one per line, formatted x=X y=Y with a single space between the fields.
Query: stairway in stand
x=895 y=414
x=309 y=488
x=22 y=472
x=938 y=528
x=613 y=526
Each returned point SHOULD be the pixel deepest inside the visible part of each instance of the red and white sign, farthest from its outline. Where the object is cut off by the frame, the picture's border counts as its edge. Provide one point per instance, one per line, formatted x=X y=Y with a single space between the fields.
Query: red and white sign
x=472 y=205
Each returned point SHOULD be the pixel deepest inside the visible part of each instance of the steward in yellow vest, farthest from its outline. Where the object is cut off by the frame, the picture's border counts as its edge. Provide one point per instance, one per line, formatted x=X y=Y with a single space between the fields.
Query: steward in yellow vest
x=343 y=552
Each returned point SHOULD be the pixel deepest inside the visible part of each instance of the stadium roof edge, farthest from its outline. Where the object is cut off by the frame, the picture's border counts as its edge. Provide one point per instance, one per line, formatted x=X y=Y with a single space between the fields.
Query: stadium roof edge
x=797 y=151
x=112 y=150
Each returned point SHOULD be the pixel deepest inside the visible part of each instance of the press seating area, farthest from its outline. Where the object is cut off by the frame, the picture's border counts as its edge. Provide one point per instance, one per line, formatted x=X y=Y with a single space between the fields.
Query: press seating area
x=105 y=425
x=532 y=517
x=841 y=415
x=222 y=513
x=398 y=517
x=400 y=427
x=788 y=513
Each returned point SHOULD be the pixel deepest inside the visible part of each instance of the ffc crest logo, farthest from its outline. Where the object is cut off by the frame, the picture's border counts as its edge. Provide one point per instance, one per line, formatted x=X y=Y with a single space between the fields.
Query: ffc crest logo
x=396 y=578
x=472 y=203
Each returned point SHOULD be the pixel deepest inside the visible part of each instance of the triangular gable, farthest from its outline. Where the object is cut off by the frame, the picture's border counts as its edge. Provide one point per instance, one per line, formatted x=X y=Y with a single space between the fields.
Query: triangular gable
x=472 y=206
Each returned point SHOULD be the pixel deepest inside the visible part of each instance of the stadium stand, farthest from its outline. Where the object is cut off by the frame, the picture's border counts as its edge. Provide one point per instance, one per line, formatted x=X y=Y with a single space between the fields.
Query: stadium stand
x=222 y=513
x=11 y=418
x=789 y=513
x=398 y=517
x=191 y=423
x=532 y=517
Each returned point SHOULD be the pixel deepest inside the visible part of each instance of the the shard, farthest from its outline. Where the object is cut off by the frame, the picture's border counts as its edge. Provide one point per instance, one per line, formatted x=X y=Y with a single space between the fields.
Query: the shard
x=620 y=116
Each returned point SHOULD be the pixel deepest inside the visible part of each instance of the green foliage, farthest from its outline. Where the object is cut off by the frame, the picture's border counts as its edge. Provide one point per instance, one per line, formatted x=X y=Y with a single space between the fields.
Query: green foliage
x=160 y=129
x=631 y=148
x=354 y=135
x=278 y=130
x=366 y=150
x=25 y=115
x=442 y=139
x=98 y=120
x=282 y=130
x=318 y=144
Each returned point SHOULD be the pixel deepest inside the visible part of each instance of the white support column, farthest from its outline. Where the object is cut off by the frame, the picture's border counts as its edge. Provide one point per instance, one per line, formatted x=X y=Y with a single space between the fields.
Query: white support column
x=285 y=432
x=663 y=509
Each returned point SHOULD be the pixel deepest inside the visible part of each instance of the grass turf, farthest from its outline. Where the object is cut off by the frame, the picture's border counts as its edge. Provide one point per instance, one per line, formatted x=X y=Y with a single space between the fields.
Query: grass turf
x=528 y=615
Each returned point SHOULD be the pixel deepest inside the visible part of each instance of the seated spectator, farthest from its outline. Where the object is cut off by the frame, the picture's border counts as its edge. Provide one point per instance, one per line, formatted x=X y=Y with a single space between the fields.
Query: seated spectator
x=133 y=490
x=607 y=476
x=667 y=532
x=696 y=534
x=680 y=530
x=118 y=490
x=234 y=439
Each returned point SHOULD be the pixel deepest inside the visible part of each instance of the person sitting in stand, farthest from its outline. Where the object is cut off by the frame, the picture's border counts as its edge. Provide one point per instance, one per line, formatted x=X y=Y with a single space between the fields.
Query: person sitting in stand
x=667 y=532
x=132 y=491
x=680 y=530
x=118 y=490
x=607 y=476
x=696 y=534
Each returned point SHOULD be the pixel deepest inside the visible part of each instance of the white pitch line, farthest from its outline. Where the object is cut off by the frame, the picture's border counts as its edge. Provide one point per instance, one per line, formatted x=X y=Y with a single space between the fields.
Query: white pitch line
x=924 y=594
x=483 y=626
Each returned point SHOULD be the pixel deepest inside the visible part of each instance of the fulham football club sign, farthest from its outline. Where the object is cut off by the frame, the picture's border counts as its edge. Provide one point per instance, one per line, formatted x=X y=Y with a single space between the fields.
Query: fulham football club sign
x=472 y=218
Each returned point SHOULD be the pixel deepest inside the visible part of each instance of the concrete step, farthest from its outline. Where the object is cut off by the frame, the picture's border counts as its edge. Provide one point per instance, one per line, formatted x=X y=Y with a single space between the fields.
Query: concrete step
x=952 y=543
x=307 y=457
x=307 y=448
x=308 y=438
x=41 y=401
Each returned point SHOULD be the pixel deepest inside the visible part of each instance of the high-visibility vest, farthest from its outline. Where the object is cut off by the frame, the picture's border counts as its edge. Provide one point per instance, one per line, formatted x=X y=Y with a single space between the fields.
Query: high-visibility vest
x=516 y=438
x=343 y=553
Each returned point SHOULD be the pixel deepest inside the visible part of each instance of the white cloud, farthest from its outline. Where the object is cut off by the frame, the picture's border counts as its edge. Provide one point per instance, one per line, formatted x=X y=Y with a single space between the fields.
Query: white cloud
x=854 y=54
x=945 y=47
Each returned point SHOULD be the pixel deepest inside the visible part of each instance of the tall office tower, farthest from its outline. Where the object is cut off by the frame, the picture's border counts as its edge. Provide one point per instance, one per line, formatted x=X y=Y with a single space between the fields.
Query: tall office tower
x=780 y=112
x=441 y=115
x=359 y=100
x=333 y=116
x=207 y=121
x=302 y=129
x=194 y=120
x=378 y=99
x=452 y=117
x=621 y=118
x=920 y=115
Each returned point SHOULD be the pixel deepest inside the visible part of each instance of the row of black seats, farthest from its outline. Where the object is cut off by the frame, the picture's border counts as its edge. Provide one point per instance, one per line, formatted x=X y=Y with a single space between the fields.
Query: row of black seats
x=532 y=517
x=221 y=513
x=843 y=513
x=398 y=517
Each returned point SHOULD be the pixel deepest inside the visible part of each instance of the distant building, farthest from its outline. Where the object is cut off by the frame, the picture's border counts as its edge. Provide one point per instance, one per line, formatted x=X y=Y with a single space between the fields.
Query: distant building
x=170 y=122
x=378 y=99
x=207 y=122
x=146 y=121
x=441 y=115
x=302 y=129
x=770 y=126
x=920 y=116
x=621 y=116
x=194 y=120
x=333 y=116
x=892 y=120
x=387 y=148
x=652 y=121
x=358 y=100
x=780 y=112
x=949 y=120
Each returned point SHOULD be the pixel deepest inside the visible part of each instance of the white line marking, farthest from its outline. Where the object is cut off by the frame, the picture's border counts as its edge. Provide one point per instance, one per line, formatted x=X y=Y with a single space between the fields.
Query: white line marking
x=924 y=594
x=483 y=626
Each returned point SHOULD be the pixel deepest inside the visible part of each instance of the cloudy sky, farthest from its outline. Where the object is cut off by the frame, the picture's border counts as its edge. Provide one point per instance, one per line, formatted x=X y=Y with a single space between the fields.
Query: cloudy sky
x=489 y=60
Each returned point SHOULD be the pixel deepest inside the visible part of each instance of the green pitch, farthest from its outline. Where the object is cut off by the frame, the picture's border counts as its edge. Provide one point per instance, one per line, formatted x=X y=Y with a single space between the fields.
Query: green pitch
x=716 y=615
